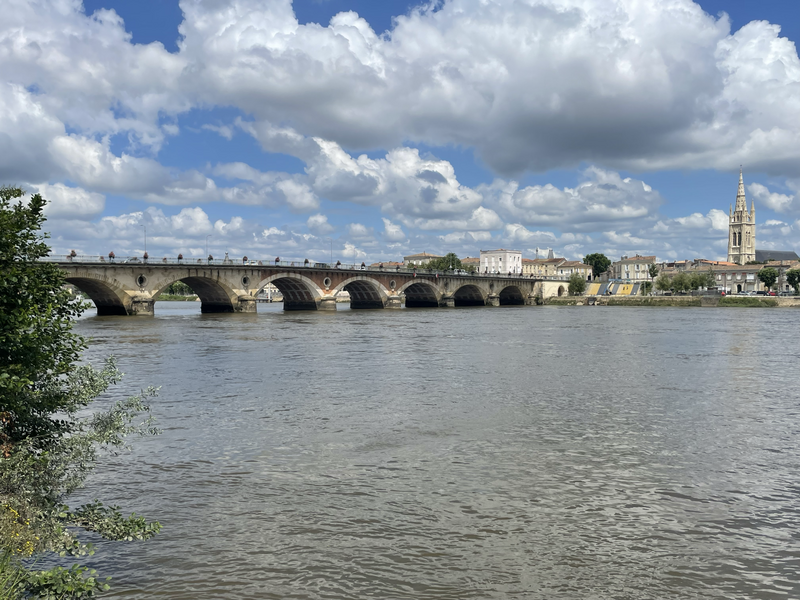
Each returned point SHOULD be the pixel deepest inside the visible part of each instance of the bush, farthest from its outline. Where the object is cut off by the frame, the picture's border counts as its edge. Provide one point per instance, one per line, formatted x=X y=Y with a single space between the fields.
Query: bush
x=577 y=284
x=48 y=448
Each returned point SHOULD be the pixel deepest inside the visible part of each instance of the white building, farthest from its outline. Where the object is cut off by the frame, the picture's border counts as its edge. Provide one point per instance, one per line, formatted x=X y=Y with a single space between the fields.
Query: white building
x=501 y=261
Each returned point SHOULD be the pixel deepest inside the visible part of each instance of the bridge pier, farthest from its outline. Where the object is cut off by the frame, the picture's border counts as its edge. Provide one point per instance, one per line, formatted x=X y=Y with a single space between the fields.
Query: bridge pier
x=247 y=304
x=394 y=302
x=448 y=301
x=140 y=306
x=327 y=303
x=493 y=300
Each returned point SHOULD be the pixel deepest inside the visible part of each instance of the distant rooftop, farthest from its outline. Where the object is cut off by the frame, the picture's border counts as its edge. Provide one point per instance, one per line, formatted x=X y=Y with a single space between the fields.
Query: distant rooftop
x=575 y=264
x=765 y=255
x=638 y=258
x=542 y=261
x=714 y=262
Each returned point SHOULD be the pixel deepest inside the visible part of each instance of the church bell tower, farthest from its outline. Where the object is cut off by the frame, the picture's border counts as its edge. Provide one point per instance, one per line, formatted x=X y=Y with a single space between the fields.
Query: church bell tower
x=742 y=229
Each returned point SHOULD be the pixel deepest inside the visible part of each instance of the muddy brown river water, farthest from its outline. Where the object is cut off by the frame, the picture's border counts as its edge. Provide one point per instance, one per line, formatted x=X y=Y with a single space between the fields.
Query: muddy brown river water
x=514 y=452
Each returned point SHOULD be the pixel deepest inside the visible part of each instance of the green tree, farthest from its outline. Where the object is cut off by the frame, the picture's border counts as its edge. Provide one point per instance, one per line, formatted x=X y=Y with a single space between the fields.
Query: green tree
x=647 y=286
x=793 y=279
x=681 y=282
x=652 y=269
x=599 y=262
x=698 y=279
x=663 y=282
x=710 y=281
x=768 y=276
x=179 y=288
x=445 y=263
x=47 y=448
x=577 y=284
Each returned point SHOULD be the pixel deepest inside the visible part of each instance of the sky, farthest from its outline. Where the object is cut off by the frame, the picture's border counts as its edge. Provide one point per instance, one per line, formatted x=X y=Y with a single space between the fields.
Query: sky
x=368 y=130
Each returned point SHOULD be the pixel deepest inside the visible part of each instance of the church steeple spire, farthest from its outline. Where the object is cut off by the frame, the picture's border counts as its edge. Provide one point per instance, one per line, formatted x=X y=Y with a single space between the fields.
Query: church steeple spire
x=742 y=229
x=741 y=203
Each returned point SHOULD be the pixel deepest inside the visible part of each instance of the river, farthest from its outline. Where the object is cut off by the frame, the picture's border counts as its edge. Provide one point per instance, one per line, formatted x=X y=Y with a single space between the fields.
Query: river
x=513 y=452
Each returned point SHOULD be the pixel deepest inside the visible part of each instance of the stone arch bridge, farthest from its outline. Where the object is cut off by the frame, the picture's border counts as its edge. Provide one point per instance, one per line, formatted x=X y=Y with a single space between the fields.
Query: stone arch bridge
x=125 y=288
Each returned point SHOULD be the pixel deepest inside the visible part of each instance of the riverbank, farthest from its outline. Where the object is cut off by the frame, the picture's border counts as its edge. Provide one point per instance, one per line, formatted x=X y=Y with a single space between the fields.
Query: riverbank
x=708 y=301
x=176 y=298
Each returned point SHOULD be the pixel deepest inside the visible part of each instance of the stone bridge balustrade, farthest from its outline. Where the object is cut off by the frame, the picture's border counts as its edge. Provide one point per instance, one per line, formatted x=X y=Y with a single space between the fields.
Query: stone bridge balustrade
x=132 y=288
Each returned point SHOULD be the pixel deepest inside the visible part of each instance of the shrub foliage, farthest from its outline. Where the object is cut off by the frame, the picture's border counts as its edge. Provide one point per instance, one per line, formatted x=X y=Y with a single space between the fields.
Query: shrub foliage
x=48 y=446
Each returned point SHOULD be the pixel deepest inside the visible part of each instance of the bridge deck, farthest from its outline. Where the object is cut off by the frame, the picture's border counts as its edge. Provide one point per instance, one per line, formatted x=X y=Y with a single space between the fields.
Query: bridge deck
x=132 y=285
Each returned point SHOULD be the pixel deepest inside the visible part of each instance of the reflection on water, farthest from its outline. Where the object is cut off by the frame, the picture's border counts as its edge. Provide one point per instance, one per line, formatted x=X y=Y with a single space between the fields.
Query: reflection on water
x=527 y=452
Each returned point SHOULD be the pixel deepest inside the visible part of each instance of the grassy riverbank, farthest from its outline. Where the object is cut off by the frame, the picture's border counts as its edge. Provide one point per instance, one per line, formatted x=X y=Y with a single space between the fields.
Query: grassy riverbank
x=654 y=301
x=564 y=301
x=726 y=301
x=176 y=298
x=628 y=301
x=749 y=301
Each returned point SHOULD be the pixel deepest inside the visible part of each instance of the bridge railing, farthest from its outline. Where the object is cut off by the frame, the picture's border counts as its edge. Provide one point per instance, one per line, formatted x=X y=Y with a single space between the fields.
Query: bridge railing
x=222 y=262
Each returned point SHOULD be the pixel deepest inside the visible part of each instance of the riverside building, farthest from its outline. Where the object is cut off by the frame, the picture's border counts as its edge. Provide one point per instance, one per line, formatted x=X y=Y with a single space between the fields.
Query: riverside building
x=634 y=268
x=501 y=261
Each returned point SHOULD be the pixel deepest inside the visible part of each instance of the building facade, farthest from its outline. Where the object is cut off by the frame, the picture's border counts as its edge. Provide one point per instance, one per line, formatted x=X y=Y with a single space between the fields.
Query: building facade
x=416 y=260
x=568 y=267
x=501 y=261
x=742 y=229
x=471 y=261
x=634 y=268
x=741 y=279
x=541 y=267
x=733 y=278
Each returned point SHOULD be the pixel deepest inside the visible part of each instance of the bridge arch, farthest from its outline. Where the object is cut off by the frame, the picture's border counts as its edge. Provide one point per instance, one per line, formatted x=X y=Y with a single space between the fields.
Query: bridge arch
x=511 y=295
x=364 y=292
x=298 y=291
x=420 y=294
x=108 y=297
x=469 y=295
x=215 y=295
